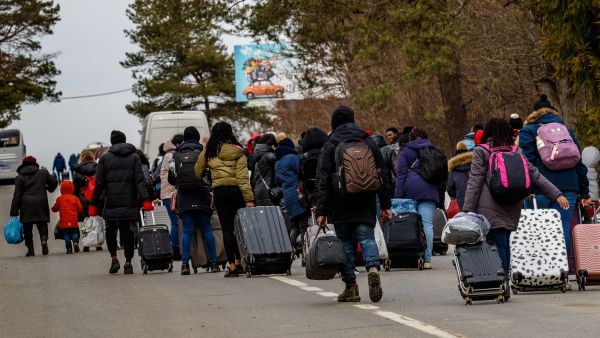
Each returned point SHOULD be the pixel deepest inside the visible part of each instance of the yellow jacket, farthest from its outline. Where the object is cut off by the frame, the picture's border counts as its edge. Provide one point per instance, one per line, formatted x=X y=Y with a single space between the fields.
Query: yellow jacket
x=229 y=168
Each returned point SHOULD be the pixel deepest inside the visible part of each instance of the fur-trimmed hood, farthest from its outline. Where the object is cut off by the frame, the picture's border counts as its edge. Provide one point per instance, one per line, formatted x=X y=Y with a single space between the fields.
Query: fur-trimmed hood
x=536 y=115
x=460 y=160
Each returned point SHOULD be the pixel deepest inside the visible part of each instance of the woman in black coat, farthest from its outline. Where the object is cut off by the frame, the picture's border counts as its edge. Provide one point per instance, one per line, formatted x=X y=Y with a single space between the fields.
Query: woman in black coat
x=30 y=201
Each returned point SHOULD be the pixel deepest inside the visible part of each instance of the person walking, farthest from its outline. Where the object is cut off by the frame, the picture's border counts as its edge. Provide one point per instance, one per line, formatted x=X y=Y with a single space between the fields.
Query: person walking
x=167 y=191
x=193 y=199
x=353 y=217
x=120 y=182
x=59 y=166
x=69 y=208
x=30 y=201
x=84 y=181
x=389 y=158
x=225 y=159
x=459 y=168
x=73 y=162
x=262 y=164
x=313 y=142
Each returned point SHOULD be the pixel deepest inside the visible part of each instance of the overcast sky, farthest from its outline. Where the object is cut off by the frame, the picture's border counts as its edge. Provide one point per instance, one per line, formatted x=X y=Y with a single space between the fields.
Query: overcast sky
x=90 y=40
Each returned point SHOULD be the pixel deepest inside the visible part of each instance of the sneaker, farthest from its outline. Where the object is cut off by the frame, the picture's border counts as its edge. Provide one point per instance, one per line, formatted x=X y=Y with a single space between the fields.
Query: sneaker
x=350 y=294
x=214 y=267
x=185 y=269
x=427 y=266
x=44 y=246
x=231 y=273
x=128 y=268
x=239 y=269
x=86 y=249
x=114 y=266
x=76 y=247
x=375 y=291
x=30 y=252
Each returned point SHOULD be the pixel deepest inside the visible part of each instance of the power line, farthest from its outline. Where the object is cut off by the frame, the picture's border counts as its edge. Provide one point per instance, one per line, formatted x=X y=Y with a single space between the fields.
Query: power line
x=95 y=95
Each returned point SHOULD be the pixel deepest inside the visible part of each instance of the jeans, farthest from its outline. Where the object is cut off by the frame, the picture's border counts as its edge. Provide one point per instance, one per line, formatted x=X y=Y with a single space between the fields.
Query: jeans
x=191 y=220
x=501 y=238
x=70 y=234
x=124 y=228
x=365 y=234
x=28 y=232
x=426 y=210
x=174 y=223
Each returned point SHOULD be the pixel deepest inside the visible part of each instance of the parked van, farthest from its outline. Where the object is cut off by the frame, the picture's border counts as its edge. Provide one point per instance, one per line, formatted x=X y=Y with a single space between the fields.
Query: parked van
x=12 y=151
x=161 y=126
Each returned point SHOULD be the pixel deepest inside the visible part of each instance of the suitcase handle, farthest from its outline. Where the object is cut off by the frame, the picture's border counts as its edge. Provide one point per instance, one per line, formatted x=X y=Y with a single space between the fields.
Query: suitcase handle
x=142 y=221
x=532 y=197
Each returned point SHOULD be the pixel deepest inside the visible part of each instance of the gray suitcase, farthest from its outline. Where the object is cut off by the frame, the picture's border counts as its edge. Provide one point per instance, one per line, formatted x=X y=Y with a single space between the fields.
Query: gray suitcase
x=439 y=221
x=198 y=254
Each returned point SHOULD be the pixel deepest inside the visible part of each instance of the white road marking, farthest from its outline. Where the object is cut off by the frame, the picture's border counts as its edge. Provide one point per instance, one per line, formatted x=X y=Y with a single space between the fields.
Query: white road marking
x=393 y=316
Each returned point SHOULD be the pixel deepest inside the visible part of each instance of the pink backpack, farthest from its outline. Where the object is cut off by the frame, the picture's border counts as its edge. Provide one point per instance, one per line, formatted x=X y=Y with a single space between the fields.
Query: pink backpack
x=509 y=181
x=556 y=147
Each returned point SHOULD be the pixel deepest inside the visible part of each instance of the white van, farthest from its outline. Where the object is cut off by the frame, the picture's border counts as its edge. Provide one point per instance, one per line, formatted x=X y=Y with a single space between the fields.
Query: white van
x=12 y=151
x=161 y=126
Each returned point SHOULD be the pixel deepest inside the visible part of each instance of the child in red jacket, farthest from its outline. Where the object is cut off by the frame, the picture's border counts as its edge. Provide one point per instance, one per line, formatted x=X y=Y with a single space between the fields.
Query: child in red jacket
x=69 y=208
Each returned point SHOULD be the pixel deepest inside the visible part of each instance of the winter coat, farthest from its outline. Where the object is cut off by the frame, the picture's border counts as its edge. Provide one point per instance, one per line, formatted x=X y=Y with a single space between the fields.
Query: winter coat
x=229 y=168
x=81 y=174
x=353 y=209
x=409 y=184
x=68 y=206
x=459 y=167
x=166 y=190
x=286 y=172
x=312 y=145
x=197 y=199
x=590 y=158
x=30 y=199
x=59 y=163
x=574 y=179
x=389 y=158
x=73 y=161
x=119 y=178
x=264 y=160
x=479 y=199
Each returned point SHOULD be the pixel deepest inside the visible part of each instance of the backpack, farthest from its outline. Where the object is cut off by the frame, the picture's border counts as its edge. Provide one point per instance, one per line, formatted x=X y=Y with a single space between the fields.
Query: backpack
x=185 y=161
x=89 y=187
x=509 y=175
x=356 y=171
x=434 y=165
x=307 y=174
x=556 y=147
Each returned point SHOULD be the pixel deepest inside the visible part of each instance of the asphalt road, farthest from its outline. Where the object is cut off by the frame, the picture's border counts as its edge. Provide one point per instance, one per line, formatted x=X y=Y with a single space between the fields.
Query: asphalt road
x=74 y=296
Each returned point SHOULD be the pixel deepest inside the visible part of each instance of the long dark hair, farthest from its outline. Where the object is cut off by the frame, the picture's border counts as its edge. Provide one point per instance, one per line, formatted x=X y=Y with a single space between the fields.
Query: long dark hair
x=499 y=132
x=220 y=133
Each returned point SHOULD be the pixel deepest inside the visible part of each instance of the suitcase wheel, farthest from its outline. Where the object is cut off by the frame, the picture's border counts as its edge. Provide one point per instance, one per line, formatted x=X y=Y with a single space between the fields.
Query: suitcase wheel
x=421 y=263
x=468 y=300
x=514 y=289
x=145 y=268
x=563 y=289
x=170 y=267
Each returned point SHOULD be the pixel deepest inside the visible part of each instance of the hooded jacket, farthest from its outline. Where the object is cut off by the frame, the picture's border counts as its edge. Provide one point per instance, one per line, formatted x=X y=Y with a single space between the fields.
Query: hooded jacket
x=409 y=184
x=30 y=198
x=197 y=199
x=59 y=163
x=348 y=210
x=229 y=168
x=264 y=169
x=166 y=189
x=286 y=173
x=81 y=174
x=120 y=180
x=389 y=158
x=573 y=179
x=459 y=167
x=68 y=206
x=590 y=158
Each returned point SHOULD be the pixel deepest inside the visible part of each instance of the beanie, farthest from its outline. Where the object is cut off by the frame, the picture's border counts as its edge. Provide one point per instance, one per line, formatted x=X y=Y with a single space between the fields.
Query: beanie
x=286 y=142
x=542 y=103
x=29 y=160
x=280 y=137
x=191 y=134
x=515 y=122
x=341 y=115
x=117 y=137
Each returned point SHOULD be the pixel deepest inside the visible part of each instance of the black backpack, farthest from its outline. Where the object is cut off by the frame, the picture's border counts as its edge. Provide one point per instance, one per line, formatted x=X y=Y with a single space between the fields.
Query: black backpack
x=309 y=162
x=185 y=162
x=434 y=165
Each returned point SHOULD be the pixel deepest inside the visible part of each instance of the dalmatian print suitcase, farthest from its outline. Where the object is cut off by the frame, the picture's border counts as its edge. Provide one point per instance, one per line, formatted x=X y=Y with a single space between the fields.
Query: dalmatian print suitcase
x=538 y=253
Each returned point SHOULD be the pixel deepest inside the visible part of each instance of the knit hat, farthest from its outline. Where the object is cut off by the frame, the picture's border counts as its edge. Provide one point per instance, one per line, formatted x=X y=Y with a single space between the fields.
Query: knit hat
x=516 y=122
x=191 y=134
x=542 y=103
x=279 y=137
x=341 y=115
x=29 y=160
x=286 y=142
x=117 y=137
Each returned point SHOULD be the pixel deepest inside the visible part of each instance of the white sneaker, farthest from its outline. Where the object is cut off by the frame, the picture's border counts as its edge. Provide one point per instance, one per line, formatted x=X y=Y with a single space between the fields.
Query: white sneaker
x=427 y=266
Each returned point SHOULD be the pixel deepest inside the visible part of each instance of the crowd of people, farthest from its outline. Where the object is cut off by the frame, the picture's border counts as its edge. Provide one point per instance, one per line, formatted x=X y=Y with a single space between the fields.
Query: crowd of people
x=192 y=179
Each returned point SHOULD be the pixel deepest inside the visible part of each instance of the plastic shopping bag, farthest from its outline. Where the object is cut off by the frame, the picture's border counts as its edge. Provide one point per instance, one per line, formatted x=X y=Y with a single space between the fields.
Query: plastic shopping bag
x=402 y=205
x=93 y=232
x=380 y=240
x=465 y=228
x=13 y=231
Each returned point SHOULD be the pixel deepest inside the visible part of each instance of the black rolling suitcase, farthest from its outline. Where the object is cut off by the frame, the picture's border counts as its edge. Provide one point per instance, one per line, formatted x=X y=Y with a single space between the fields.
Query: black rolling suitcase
x=439 y=221
x=480 y=272
x=154 y=247
x=263 y=241
x=405 y=240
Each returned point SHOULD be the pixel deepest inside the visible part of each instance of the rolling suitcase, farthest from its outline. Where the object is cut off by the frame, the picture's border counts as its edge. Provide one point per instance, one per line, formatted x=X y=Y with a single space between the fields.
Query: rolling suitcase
x=263 y=241
x=198 y=254
x=538 y=253
x=480 y=273
x=154 y=247
x=439 y=222
x=586 y=245
x=405 y=240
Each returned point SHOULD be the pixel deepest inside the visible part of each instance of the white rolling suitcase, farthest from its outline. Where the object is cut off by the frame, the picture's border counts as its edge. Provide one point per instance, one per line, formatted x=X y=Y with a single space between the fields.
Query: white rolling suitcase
x=538 y=253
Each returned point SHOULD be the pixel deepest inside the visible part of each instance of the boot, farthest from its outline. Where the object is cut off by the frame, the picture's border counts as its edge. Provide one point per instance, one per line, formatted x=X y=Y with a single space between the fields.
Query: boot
x=375 y=291
x=185 y=269
x=128 y=268
x=69 y=249
x=114 y=265
x=76 y=245
x=30 y=252
x=44 y=245
x=214 y=267
x=350 y=294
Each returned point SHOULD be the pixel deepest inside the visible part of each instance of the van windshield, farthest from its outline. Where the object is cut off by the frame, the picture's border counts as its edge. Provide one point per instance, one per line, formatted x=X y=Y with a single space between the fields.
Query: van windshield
x=9 y=138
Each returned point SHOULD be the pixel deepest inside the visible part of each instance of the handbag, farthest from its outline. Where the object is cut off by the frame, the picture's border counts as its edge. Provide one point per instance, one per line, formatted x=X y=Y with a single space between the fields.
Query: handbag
x=326 y=256
x=276 y=193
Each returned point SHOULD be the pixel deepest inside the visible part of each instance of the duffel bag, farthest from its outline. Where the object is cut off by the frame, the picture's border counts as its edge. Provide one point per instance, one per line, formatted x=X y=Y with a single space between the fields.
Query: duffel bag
x=326 y=257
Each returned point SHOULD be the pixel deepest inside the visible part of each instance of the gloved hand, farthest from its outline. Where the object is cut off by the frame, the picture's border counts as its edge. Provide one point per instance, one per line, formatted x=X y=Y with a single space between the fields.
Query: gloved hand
x=148 y=206
x=92 y=211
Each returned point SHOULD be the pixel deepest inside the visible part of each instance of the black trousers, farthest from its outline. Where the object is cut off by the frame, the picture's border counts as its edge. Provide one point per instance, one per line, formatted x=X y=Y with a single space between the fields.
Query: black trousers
x=228 y=200
x=28 y=230
x=127 y=237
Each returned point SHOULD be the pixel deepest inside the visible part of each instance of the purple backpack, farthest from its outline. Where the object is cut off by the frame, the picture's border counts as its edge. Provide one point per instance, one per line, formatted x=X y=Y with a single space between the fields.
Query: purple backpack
x=509 y=175
x=556 y=147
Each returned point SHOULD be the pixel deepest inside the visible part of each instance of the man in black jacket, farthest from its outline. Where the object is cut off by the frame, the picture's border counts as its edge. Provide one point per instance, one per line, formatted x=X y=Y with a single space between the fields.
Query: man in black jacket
x=354 y=218
x=120 y=181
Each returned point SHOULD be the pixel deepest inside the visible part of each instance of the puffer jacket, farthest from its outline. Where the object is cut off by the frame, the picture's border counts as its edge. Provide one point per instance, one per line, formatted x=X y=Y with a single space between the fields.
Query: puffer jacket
x=479 y=199
x=574 y=179
x=80 y=181
x=120 y=180
x=68 y=206
x=166 y=190
x=389 y=158
x=286 y=171
x=409 y=184
x=192 y=200
x=264 y=168
x=590 y=158
x=229 y=168
x=30 y=198
x=459 y=167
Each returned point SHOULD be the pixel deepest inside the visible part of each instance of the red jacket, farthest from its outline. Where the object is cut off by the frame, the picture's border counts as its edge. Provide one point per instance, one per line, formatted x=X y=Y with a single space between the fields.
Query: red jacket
x=68 y=205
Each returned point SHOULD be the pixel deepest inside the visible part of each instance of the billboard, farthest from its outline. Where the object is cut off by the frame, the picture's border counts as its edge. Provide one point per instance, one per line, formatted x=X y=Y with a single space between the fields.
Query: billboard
x=263 y=73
